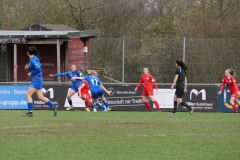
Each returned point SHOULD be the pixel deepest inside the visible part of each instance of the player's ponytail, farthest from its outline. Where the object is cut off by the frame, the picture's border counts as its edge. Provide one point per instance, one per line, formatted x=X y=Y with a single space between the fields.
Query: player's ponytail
x=32 y=50
x=183 y=65
x=232 y=72
x=93 y=73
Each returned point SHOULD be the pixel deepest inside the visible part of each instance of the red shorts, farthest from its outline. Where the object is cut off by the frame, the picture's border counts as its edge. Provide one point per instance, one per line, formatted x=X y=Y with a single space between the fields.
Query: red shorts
x=236 y=94
x=87 y=95
x=146 y=93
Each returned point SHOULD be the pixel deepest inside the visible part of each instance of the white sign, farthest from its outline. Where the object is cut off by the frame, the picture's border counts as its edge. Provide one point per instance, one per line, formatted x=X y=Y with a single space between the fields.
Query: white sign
x=12 y=40
x=85 y=49
x=76 y=101
x=164 y=97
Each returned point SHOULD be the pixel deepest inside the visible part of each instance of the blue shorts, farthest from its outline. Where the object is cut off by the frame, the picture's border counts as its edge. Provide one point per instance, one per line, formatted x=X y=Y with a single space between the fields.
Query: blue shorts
x=36 y=84
x=74 y=88
x=97 y=93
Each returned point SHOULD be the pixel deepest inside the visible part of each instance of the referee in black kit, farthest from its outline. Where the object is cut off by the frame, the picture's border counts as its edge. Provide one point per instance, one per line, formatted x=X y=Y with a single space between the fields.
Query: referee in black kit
x=180 y=80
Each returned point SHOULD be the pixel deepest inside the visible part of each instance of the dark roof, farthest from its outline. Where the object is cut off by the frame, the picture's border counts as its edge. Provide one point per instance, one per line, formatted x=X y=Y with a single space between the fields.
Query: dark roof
x=24 y=36
x=58 y=27
x=49 y=34
x=46 y=32
x=48 y=27
x=85 y=33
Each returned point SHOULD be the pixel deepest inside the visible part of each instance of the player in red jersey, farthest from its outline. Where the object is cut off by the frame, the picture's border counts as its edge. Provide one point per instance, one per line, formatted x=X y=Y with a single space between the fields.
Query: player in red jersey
x=84 y=93
x=147 y=80
x=231 y=82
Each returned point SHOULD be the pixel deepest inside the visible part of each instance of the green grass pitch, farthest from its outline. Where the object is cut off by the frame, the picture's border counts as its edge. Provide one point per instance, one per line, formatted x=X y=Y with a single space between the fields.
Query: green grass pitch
x=119 y=135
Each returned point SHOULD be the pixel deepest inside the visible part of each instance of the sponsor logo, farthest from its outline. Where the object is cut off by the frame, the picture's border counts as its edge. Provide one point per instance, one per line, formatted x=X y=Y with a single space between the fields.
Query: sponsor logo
x=203 y=91
x=4 y=91
x=13 y=103
x=125 y=92
x=12 y=40
x=201 y=103
x=50 y=90
x=230 y=106
x=225 y=99
x=112 y=91
x=41 y=103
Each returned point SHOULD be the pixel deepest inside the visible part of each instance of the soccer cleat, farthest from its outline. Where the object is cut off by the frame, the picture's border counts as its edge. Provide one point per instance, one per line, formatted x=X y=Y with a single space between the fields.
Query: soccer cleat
x=29 y=114
x=105 y=110
x=94 y=110
x=87 y=109
x=55 y=110
x=173 y=113
x=191 y=112
x=158 y=110
x=108 y=109
x=69 y=108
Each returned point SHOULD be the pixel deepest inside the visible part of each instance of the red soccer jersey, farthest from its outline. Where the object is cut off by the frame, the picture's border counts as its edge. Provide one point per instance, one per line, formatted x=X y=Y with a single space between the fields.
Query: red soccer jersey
x=85 y=86
x=231 y=83
x=147 y=81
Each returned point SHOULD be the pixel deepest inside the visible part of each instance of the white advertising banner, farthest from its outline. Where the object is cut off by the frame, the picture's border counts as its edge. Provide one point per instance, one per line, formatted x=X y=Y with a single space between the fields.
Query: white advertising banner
x=164 y=97
x=76 y=101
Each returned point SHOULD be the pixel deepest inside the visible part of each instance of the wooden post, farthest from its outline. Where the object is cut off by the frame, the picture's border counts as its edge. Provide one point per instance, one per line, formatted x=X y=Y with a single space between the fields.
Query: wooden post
x=66 y=59
x=85 y=50
x=58 y=60
x=15 y=62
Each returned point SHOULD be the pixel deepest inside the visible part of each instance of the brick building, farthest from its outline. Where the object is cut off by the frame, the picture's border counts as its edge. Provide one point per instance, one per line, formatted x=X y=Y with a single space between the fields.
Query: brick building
x=59 y=46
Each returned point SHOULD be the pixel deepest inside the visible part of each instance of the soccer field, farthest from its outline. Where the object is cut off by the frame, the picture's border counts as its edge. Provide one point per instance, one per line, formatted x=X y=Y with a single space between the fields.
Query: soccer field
x=119 y=135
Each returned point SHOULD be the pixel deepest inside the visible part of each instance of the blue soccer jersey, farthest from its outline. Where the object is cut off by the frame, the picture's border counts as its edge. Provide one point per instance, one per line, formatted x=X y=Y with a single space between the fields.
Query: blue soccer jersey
x=35 y=68
x=93 y=81
x=76 y=82
x=95 y=85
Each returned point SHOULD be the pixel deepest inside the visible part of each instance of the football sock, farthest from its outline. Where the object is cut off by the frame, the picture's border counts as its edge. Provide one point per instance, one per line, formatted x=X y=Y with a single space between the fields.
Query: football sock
x=100 y=106
x=93 y=106
x=50 y=104
x=185 y=104
x=148 y=106
x=234 y=108
x=157 y=105
x=105 y=102
x=175 y=107
x=70 y=102
x=86 y=104
x=30 y=107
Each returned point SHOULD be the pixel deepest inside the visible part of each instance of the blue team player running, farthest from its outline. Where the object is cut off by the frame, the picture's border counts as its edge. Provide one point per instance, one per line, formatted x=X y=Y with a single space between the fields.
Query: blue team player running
x=36 y=85
x=96 y=90
x=75 y=83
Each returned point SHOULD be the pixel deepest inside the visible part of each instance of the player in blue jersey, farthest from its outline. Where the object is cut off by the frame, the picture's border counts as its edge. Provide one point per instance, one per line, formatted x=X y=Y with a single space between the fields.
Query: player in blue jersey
x=36 y=85
x=75 y=83
x=97 y=90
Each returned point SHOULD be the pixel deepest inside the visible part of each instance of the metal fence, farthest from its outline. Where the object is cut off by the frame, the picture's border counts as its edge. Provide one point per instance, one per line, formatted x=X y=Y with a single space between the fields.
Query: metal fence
x=124 y=58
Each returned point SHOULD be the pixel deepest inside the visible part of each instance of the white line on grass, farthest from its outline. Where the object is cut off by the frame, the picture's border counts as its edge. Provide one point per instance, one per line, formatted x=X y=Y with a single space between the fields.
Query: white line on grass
x=182 y=135
x=34 y=126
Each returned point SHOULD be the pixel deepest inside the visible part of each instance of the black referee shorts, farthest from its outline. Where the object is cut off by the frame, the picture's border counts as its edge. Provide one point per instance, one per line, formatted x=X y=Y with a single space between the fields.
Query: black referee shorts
x=179 y=89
